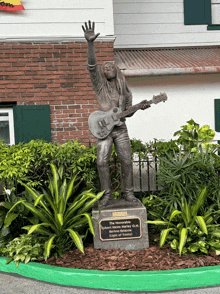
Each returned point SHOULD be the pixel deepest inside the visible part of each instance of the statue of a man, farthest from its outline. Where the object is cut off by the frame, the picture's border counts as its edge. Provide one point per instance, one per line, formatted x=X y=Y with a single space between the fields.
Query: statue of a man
x=111 y=91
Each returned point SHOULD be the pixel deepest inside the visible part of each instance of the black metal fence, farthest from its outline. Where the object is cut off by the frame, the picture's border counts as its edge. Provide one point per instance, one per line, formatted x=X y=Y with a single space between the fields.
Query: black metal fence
x=145 y=175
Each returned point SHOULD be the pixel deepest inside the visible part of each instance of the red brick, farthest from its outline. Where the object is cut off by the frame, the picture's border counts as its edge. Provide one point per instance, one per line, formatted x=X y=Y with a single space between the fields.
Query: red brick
x=31 y=46
x=31 y=55
x=48 y=46
x=18 y=73
x=53 y=85
x=35 y=99
x=12 y=86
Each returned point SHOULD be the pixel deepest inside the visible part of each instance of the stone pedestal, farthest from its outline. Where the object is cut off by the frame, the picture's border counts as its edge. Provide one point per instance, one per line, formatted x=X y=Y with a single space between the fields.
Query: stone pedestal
x=121 y=225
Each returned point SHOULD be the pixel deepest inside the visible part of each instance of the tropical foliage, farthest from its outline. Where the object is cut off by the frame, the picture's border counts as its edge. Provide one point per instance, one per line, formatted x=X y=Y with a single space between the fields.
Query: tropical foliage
x=24 y=248
x=187 y=230
x=53 y=216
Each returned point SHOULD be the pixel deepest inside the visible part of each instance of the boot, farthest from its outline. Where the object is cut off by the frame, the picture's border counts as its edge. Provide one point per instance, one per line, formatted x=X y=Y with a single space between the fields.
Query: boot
x=127 y=176
x=104 y=177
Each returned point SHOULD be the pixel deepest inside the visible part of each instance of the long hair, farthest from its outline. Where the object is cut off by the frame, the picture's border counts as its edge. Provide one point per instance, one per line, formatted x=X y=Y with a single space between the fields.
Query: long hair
x=121 y=85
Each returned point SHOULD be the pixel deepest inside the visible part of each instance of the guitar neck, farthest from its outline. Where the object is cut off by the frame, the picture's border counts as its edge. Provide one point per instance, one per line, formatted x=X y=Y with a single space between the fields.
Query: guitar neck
x=132 y=109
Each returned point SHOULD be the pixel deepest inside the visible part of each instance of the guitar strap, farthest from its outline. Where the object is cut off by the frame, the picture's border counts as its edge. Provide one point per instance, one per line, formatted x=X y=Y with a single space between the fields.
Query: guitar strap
x=121 y=103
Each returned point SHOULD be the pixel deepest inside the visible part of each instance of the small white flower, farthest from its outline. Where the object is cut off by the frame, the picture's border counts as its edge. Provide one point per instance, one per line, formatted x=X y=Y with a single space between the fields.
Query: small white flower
x=8 y=192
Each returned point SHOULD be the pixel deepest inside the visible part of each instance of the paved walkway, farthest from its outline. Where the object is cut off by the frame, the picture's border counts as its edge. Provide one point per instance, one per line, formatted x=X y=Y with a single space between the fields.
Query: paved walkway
x=15 y=284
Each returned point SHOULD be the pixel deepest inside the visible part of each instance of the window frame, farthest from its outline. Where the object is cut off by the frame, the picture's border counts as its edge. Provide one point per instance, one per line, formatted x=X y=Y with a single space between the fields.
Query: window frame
x=204 y=17
x=10 y=119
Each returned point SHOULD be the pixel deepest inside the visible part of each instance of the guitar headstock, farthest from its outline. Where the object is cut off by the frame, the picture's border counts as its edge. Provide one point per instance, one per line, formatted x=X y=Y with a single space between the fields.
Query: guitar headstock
x=158 y=98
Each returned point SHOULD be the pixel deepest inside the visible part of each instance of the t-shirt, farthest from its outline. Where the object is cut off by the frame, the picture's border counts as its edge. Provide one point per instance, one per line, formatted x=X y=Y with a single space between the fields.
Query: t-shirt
x=107 y=99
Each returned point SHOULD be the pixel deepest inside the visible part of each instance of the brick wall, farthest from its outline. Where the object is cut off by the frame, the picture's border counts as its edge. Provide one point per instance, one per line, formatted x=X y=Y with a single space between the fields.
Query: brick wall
x=55 y=74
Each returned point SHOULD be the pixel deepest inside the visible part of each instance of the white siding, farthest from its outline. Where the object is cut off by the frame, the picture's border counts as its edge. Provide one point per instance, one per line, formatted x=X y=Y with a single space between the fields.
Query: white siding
x=56 y=18
x=189 y=96
x=158 y=23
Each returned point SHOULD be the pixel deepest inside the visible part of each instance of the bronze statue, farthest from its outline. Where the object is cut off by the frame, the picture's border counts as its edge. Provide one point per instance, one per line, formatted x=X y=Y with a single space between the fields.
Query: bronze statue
x=113 y=95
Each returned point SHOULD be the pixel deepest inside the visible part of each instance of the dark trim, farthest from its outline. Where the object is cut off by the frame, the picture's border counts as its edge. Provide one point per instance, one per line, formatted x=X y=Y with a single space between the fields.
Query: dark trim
x=208 y=12
x=213 y=27
x=7 y=104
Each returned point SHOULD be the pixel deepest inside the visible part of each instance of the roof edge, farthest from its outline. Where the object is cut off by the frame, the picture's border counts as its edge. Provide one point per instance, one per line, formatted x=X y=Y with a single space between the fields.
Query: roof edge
x=170 y=71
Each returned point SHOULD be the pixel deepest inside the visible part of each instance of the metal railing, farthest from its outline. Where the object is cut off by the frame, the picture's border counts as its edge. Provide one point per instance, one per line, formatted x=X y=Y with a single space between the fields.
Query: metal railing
x=145 y=175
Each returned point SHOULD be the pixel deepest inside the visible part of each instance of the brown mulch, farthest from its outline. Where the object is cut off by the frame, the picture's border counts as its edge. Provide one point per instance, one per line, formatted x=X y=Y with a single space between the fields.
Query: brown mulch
x=154 y=258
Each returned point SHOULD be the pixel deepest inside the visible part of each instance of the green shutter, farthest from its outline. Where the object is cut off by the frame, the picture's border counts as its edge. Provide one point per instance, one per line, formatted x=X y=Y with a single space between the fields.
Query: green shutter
x=31 y=122
x=197 y=12
x=217 y=115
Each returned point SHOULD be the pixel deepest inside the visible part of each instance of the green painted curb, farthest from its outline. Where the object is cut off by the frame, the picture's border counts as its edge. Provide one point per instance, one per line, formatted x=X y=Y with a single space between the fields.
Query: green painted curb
x=117 y=280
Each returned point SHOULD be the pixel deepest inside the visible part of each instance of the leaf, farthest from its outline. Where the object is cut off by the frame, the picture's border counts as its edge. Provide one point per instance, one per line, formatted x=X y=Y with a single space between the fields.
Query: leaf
x=202 y=224
x=90 y=203
x=35 y=227
x=163 y=236
x=55 y=181
x=18 y=202
x=193 y=248
x=9 y=260
x=158 y=222
x=174 y=244
x=70 y=188
x=47 y=247
x=216 y=233
x=199 y=202
x=89 y=220
x=76 y=239
x=42 y=231
x=60 y=218
x=35 y=194
x=27 y=259
x=9 y=218
x=38 y=199
x=183 y=238
x=40 y=215
x=173 y=214
x=187 y=212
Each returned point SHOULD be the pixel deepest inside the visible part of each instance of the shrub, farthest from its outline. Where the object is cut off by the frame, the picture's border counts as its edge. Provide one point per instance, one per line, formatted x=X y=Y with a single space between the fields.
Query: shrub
x=62 y=223
x=187 y=230
x=24 y=248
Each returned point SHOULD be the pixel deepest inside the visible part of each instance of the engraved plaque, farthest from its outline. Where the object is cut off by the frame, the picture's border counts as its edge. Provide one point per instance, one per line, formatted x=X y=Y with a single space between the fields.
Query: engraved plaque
x=122 y=228
x=119 y=213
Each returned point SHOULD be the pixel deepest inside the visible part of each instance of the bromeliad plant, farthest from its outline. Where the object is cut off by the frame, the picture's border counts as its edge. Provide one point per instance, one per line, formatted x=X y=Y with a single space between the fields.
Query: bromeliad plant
x=188 y=230
x=61 y=222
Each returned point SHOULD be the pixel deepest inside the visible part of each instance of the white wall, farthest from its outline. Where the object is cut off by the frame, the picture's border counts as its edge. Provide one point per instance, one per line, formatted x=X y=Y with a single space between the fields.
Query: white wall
x=158 y=23
x=189 y=96
x=56 y=18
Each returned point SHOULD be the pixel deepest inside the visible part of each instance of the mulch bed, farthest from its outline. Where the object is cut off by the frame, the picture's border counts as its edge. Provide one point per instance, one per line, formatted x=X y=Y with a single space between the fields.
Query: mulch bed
x=154 y=258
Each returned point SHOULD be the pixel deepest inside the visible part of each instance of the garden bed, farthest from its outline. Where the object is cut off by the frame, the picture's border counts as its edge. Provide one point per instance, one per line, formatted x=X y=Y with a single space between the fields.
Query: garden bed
x=154 y=258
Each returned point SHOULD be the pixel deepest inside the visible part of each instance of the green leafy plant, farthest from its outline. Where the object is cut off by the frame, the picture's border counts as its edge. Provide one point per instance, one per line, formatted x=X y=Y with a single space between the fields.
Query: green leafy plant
x=191 y=136
x=62 y=223
x=24 y=248
x=19 y=218
x=186 y=229
x=156 y=206
x=181 y=176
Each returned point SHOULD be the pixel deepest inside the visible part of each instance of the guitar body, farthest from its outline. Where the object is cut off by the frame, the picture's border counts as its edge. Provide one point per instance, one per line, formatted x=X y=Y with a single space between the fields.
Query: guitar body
x=101 y=123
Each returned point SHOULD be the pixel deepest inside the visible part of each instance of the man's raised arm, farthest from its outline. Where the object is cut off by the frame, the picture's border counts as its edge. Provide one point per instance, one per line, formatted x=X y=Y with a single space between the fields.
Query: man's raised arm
x=90 y=37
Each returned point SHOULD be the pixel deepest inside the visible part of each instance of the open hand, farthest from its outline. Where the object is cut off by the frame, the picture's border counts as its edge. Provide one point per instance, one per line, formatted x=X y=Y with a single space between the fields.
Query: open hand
x=89 y=31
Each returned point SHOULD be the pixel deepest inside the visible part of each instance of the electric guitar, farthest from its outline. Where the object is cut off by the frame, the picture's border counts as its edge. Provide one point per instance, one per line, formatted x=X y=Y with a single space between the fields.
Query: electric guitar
x=101 y=123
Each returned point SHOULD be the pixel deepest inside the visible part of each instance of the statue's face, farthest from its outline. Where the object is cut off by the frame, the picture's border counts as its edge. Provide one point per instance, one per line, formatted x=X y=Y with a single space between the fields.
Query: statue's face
x=109 y=71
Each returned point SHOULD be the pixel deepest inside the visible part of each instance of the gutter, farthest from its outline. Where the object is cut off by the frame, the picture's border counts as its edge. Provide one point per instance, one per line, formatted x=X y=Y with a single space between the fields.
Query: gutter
x=170 y=71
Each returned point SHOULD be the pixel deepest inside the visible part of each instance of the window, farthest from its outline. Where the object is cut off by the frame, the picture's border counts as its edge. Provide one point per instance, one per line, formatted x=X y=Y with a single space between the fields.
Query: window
x=7 y=126
x=23 y=123
x=197 y=12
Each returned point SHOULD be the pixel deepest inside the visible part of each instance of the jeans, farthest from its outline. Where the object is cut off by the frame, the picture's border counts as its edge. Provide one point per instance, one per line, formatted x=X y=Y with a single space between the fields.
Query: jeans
x=118 y=136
